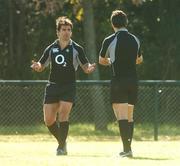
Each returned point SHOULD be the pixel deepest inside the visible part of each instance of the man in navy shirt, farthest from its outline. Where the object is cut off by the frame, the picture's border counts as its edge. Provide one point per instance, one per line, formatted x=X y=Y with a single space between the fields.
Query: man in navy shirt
x=64 y=56
x=121 y=51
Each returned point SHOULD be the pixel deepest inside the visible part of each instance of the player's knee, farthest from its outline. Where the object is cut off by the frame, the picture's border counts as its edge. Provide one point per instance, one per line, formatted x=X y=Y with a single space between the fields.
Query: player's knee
x=122 y=118
x=49 y=121
x=130 y=119
x=64 y=116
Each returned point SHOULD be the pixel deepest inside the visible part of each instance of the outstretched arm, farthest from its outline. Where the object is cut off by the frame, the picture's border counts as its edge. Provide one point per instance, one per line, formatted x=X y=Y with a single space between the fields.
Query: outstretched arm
x=88 y=68
x=37 y=66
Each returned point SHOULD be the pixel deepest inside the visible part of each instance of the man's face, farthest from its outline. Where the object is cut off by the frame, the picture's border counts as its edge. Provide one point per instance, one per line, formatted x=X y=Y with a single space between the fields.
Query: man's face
x=65 y=33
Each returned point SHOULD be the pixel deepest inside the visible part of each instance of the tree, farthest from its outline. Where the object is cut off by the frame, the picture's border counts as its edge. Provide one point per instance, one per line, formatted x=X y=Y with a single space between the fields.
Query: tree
x=89 y=35
x=24 y=34
x=90 y=45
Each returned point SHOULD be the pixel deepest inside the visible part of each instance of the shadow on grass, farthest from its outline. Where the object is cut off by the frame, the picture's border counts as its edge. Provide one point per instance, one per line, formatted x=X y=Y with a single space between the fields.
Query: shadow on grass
x=116 y=156
x=149 y=158
x=88 y=155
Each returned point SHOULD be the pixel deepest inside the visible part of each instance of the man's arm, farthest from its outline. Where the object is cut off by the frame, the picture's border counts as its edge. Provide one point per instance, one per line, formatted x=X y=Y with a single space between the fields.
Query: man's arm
x=139 y=58
x=82 y=60
x=104 y=61
x=43 y=61
x=104 y=56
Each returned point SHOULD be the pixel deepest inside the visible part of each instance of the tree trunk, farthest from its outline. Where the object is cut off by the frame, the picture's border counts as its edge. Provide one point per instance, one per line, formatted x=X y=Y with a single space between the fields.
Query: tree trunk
x=89 y=36
x=21 y=55
x=11 y=39
x=90 y=48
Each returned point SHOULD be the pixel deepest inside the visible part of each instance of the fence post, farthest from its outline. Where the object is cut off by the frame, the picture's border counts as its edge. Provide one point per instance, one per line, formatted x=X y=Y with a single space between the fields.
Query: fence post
x=100 y=116
x=156 y=112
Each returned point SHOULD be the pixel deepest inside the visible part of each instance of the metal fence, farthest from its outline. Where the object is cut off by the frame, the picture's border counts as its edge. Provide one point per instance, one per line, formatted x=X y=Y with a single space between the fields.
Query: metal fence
x=158 y=103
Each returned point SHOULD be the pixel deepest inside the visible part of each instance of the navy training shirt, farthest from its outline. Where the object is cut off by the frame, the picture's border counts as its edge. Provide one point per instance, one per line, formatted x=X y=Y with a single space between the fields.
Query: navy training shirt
x=63 y=63
x=123 y=48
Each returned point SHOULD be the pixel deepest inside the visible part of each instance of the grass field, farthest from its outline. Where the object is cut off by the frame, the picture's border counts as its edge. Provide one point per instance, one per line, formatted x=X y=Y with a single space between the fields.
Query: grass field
x=39 y=150
x=32 y=146
x=143 y=132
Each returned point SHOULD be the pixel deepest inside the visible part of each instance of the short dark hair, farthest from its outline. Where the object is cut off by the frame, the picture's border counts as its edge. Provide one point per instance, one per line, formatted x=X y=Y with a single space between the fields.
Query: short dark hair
x=63 y=21
x=119 y=19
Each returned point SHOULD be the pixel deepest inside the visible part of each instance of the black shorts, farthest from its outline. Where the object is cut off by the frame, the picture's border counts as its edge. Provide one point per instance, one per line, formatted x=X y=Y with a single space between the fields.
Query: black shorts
x=124 y=91
x=55 y=93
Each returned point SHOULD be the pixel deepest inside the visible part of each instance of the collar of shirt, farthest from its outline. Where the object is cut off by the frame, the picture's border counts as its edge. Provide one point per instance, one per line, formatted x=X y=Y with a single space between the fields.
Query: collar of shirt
x=58 y=46
x=120 y=30
x=57 y=42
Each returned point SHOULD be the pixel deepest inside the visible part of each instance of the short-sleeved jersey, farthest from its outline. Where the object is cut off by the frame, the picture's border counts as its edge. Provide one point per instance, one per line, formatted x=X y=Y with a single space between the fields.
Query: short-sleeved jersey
x=123 y=48
x=63 y=63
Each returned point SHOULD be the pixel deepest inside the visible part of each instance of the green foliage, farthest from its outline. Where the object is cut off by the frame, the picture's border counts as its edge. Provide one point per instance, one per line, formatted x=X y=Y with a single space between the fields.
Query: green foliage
x=33 y=27
x=143 y=131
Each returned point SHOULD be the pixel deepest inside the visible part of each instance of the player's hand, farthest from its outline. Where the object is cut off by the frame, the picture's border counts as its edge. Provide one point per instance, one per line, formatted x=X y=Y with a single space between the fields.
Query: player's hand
x=37 y=66
x=104 y=61
x=90 y=68
x=139 y=60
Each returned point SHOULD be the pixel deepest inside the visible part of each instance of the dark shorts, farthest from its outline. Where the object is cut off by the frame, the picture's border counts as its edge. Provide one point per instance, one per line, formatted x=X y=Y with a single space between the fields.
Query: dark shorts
x=55 y=93
x=124 y=91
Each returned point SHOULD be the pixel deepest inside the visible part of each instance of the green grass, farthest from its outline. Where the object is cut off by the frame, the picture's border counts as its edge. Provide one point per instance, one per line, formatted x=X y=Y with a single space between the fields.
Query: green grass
x=33 y=146
x=39 y=150
x=142 y=131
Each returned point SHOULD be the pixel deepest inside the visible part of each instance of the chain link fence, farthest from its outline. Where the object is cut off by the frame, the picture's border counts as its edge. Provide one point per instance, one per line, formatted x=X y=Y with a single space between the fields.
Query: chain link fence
x=158 y=103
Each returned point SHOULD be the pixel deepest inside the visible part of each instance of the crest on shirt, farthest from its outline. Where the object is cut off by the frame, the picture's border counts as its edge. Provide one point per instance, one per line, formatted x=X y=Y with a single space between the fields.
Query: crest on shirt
x=55 y=50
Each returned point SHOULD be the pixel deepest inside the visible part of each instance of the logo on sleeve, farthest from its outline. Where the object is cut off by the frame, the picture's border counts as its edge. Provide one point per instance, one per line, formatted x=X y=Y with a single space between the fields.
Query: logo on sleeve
x=55 y=50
